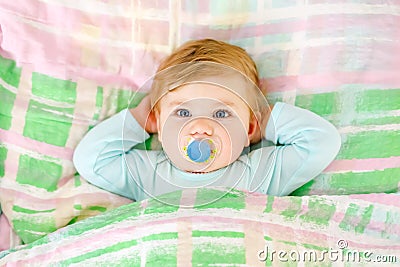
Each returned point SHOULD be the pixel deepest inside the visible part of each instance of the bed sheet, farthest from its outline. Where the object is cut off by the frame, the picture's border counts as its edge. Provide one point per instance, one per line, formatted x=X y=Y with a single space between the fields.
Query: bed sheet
x=64 y=67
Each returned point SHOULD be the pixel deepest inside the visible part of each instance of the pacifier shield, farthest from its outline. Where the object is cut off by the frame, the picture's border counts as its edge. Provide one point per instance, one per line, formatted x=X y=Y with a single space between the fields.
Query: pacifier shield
x=199 y=150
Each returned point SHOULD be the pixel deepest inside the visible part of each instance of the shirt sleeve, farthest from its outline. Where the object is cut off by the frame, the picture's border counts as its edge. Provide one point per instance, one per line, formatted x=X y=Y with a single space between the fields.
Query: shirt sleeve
x=305 y=144
x=102 y=155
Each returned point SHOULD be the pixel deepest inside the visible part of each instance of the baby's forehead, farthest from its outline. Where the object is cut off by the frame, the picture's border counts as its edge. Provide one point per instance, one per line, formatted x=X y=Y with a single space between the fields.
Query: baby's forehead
x=207 y=100
x=204 y=93
x=222 y=82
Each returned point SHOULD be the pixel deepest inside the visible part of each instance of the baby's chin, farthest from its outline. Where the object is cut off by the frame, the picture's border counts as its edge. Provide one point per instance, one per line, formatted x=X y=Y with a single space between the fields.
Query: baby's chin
x=210 y=168
x=203 y=171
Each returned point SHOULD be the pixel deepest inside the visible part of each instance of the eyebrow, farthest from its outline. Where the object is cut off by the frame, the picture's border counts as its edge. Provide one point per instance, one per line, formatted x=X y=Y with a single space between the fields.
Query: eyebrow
x=231 y=104
x=175 y=103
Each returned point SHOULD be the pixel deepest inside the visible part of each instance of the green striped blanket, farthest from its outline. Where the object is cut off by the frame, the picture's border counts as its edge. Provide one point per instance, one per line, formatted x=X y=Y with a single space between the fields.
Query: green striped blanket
x=64 y=67
x=239 y=229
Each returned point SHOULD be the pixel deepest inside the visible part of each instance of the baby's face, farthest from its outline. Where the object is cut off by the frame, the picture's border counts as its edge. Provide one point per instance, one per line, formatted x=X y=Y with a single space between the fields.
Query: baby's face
x=207 y=113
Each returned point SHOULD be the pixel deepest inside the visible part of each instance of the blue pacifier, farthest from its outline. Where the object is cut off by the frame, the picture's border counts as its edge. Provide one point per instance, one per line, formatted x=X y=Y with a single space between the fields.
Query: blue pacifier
x=200 y=150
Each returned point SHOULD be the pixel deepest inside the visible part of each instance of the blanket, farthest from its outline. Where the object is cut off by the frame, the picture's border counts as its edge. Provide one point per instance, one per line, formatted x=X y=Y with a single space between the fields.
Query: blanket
x=64 y=67
x=217 y=227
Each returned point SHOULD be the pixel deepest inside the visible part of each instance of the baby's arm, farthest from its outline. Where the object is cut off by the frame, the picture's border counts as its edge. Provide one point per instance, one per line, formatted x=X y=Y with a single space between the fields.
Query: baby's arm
x=102 y=156
x=305 y=145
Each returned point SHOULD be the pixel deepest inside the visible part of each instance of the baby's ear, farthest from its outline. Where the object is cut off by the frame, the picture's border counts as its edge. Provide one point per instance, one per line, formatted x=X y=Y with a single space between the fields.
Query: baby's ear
x=254 y=133
x=156 y=117
x=151 y=123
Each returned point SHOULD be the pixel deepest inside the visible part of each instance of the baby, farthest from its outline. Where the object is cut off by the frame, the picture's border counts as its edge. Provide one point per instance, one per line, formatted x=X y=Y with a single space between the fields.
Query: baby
x=206 y=108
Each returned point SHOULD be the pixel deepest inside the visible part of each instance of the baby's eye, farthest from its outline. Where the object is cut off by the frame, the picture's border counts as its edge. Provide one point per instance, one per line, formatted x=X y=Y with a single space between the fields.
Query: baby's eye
x=183 y=113
x=221 y=113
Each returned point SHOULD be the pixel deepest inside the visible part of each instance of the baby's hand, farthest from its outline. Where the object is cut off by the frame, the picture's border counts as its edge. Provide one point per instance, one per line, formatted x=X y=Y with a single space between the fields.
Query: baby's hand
x=145 y=116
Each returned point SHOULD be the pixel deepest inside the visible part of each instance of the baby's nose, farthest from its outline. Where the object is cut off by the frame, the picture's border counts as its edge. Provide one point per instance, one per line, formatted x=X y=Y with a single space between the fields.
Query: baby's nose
x=201 y=127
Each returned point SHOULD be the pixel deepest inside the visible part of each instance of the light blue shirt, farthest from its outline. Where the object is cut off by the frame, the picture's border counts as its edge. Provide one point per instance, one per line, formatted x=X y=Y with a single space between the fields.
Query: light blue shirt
x=305 y=144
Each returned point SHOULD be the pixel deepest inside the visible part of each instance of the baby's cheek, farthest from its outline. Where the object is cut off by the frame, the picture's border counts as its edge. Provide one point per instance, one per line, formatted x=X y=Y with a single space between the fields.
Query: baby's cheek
x=234 y=143
x=226 y=149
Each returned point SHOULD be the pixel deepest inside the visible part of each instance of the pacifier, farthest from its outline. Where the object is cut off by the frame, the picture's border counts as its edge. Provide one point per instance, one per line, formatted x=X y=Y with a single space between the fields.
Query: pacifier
x=199 y=150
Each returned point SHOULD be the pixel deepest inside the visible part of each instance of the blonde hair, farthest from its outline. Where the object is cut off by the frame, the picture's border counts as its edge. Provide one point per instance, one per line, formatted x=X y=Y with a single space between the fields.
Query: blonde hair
x=180 y=64
x=213 y=51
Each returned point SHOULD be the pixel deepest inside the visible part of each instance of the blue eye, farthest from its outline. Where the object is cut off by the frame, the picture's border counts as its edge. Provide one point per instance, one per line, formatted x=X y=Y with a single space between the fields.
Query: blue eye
x=183 y=113
x=221 y=113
